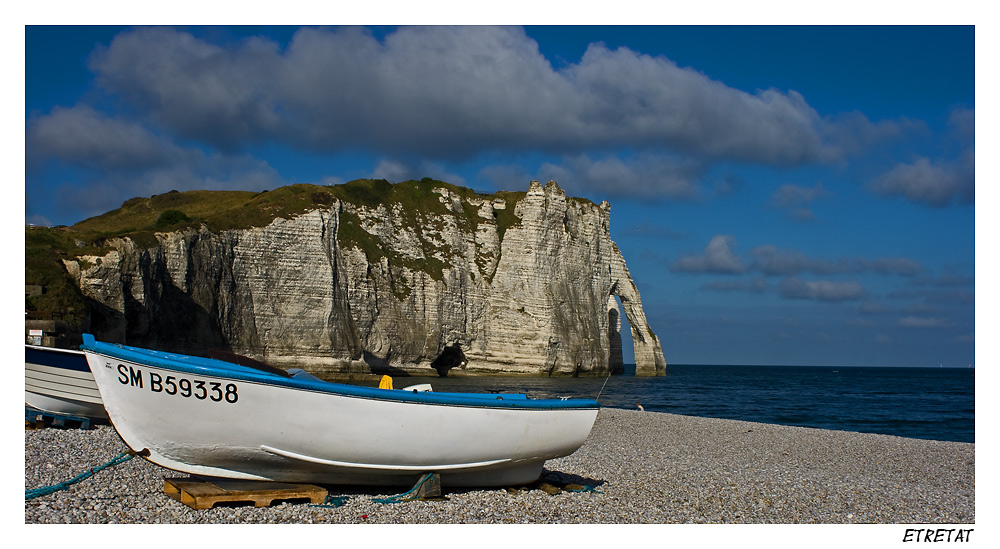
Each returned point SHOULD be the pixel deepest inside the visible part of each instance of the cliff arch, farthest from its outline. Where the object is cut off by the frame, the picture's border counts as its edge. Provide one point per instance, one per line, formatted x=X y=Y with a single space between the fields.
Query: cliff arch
x=518 y=283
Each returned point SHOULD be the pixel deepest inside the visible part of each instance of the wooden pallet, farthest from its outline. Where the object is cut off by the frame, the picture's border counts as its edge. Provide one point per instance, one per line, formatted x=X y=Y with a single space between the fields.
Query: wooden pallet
x=38 y=419
x=201 y=493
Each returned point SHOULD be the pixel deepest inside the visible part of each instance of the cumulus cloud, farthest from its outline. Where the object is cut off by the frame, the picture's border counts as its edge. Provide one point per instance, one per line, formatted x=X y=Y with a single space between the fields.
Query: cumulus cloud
x=930 y=183
x=127 y=159
x=853 y=133
x=626 y=95
x=821 y=290
x=647 y=175
x=211 y=172
x=774 y=261
x=890 y=265
x=84 y=137
x=447 y=92
x=391 y=170
x=614 y=121
x=942 y=181
x=200 y=91
x=718 y=257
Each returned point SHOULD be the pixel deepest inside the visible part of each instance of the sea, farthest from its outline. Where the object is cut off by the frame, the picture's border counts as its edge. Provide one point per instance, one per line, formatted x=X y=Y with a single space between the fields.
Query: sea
x=924 y=403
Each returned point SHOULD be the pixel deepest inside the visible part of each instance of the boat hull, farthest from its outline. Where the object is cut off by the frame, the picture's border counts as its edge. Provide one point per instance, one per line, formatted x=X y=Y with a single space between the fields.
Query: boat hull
x=59 y=381
x=235 y=424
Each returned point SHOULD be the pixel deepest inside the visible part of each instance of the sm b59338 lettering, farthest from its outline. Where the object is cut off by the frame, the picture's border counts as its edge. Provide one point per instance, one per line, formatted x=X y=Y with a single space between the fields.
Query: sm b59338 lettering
x=177 y=385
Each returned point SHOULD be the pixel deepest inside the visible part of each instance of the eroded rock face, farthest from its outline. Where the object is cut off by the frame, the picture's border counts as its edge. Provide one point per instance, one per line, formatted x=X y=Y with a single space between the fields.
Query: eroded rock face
x=454 y=292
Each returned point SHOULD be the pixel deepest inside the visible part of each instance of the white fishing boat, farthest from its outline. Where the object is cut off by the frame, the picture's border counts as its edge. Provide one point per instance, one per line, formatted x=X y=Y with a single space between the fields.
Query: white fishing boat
x=59 y=381
x=209 y=417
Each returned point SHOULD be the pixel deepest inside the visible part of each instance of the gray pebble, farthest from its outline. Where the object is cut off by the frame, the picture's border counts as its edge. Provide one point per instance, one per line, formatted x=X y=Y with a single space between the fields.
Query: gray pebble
x=642 y=467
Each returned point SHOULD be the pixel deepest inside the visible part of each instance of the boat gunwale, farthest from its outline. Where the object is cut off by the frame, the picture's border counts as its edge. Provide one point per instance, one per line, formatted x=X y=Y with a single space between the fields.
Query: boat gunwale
x=237 y=372
x=64 y=359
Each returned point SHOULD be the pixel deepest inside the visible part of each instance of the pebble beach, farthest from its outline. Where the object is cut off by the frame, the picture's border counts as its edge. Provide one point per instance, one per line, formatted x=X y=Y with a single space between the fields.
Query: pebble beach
x=637 y=468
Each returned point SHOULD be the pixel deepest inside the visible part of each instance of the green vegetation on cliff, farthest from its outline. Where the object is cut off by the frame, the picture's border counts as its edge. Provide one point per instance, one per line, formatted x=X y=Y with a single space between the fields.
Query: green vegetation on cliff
x=418 y=205
x=139 y=219
x=44 y=249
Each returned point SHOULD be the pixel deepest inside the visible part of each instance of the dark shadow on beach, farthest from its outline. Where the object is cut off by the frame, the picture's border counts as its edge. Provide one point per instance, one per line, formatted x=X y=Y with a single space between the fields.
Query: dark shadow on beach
x=552 y=482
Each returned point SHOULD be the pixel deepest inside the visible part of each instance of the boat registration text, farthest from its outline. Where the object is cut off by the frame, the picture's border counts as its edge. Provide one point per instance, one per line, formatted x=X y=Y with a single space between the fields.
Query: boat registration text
x=176 y=385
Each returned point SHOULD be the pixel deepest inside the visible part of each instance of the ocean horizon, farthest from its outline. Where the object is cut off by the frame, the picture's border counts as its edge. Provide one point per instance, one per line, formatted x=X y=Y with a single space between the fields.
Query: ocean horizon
x=932 y=403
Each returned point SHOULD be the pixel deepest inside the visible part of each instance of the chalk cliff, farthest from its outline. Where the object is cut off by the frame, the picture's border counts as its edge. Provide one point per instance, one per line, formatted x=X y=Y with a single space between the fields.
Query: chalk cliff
x=503 y=283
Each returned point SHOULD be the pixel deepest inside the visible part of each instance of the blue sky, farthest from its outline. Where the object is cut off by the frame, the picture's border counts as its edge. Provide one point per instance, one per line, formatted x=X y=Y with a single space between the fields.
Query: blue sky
x=782 y=195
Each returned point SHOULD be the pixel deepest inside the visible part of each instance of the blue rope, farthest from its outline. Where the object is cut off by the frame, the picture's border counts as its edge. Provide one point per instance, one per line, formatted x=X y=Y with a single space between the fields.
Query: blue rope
x=337 y=501
x=399 y=497
x=585 y=488
x=32 y=494
x=332 y=501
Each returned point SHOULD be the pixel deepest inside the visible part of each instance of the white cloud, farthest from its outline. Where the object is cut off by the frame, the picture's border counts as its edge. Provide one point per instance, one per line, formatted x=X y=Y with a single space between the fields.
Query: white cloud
x=642 y=99
x=127 y=159
x=84 y=137
x=821 y=290
x=391 y=170
x=197 y=89
x=718 y=257
x=646 y=175
x=447 y=92
x=933 y=184
x=853 y=133
x=940 y=181
x=617 y=122
x=771 y=260
x=891 y=265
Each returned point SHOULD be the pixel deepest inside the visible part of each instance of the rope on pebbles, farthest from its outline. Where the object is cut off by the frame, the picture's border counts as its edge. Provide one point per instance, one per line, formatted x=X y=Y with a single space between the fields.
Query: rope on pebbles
x=37 y=492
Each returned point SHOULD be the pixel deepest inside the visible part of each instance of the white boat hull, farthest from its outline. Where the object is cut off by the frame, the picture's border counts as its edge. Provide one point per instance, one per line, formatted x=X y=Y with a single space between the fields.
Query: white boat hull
x=60 y=381
x=207 y=422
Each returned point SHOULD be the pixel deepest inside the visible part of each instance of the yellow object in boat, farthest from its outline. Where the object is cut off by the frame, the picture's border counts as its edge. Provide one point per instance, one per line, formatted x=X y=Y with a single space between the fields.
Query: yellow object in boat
x=385 y=383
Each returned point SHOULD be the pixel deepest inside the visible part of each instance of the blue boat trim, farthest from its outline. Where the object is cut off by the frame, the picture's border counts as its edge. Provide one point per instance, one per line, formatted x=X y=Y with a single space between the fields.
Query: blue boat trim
x=56 y=358
x=217 y=368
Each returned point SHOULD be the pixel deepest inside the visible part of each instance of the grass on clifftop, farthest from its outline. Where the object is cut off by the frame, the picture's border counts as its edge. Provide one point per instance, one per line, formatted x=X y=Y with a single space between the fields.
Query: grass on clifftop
x=141 y=218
